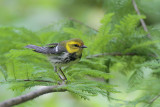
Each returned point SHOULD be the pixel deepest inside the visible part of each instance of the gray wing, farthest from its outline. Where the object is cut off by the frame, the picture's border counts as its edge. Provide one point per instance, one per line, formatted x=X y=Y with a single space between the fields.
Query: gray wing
x=44 y=50
x=54 y=49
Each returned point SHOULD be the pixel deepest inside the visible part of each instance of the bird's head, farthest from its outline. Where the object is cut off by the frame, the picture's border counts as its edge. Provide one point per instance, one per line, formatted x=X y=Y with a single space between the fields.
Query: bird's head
x=75 y=46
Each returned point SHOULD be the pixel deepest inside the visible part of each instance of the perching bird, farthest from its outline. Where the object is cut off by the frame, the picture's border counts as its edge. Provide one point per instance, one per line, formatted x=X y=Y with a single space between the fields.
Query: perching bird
x=62 y=54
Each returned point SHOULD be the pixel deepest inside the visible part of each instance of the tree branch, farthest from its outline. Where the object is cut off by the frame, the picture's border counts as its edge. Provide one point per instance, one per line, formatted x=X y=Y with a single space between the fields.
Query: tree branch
x=154 y=99
x=111 y=54
x=34 y=80
x=72 y=19
x=141 y=20
x=32 y=95
x=22 y=80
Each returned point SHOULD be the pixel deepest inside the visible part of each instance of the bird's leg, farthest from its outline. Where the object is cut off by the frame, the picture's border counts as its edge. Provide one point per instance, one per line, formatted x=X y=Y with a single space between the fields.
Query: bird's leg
x=62 y=73
x=60 y=76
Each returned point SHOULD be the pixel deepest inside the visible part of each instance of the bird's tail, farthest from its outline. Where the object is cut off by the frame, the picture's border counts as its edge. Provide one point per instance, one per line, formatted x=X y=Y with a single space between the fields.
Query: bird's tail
x=37 y=48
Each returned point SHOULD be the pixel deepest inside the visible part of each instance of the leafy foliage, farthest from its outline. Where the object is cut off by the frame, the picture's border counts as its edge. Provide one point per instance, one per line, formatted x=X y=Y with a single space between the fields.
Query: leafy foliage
x=23 y=68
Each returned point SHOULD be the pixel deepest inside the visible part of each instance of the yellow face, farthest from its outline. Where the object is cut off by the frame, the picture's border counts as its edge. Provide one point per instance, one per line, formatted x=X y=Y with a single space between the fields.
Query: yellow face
x=75 y=46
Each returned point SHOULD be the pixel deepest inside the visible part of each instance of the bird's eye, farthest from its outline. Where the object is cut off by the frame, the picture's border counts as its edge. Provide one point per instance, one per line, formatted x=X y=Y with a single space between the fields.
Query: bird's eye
x=76 y=45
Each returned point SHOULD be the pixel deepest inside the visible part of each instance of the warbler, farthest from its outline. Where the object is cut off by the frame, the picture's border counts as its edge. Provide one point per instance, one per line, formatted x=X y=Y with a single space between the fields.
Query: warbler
x=61 y=54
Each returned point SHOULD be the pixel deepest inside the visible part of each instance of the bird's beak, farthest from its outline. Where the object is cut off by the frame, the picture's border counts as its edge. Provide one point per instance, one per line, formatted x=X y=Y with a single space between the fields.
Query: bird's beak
x=83 y=46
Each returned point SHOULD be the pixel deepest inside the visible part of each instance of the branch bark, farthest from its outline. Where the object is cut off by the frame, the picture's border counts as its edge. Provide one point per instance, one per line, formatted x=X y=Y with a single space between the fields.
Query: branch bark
x=34 y=80
x=154 y=99
x=141 y=20
x=32 y=95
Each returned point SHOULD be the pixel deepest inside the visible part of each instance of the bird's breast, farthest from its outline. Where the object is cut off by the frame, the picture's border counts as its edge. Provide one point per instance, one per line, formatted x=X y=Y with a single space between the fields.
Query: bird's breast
x=64 y=59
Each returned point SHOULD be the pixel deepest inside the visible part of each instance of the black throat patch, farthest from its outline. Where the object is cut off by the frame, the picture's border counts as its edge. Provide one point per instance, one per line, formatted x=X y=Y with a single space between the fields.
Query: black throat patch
x=73 y=57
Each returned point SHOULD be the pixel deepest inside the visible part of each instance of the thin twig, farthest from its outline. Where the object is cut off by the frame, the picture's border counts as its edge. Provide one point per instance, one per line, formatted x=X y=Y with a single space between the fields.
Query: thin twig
x=111 y=54
x=141 y=20
x=154 y=99
x=72 y=19
x=34 y=80
x=32 y=95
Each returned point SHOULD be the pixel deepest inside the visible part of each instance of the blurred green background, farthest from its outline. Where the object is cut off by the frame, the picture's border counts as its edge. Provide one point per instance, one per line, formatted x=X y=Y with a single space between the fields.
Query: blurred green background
x=37 y=14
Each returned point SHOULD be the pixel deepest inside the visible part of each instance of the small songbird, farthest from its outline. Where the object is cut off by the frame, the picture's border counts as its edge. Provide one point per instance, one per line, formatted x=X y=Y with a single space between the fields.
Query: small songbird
x=62 y=54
